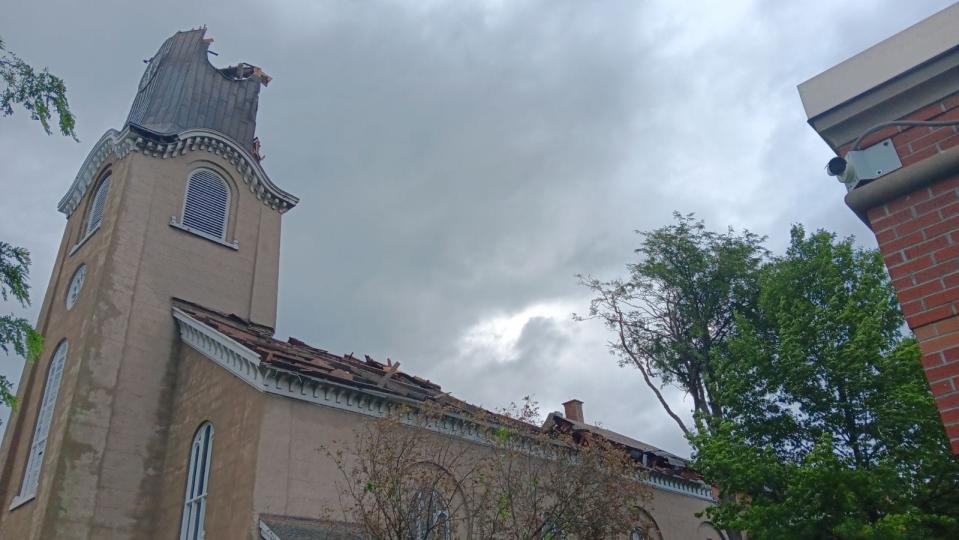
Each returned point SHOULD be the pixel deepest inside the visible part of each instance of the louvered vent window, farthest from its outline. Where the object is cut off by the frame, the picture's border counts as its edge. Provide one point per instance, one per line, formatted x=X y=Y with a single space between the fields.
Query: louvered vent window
x=31 y=477
x=207 y=204
x=96 y=208
x=198 y=476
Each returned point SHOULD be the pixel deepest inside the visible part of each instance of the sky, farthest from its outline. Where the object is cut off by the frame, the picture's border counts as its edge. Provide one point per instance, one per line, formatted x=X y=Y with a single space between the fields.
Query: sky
x=459 y=163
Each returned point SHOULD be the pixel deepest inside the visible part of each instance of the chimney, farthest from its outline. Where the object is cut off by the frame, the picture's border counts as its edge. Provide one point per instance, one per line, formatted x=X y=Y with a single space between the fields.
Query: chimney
x=906 y=187
x=574 y=410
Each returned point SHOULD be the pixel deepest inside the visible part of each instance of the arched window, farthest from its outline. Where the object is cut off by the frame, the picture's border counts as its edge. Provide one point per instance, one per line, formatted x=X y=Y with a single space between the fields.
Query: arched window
x=95 y=215
x=645 y=527
x=31 y=477
x=207 y=205
x=198 y=474
x=708 y=531
x=430 y=516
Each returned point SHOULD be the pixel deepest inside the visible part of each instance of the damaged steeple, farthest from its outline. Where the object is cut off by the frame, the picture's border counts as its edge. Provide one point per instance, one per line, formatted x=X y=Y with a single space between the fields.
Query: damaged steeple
x=181 y=90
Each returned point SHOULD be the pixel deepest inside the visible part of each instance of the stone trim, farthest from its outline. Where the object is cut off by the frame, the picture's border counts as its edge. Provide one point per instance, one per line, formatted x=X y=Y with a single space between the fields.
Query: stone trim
x=119 y=144
x=175 y=223
x=76 y=247
x=698 y=490
x=21 y=500
x=245 y=364
x=218 y=347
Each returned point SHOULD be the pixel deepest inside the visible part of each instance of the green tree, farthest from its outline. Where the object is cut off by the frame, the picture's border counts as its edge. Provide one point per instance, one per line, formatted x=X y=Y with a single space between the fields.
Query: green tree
x=38 y=91
x=16 y=334
x=41 y=94
x=673 y=315
x=829 y=428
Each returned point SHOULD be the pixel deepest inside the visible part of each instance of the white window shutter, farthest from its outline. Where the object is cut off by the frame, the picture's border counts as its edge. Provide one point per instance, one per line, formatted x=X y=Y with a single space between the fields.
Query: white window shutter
x=207 y=204
x=31 y=478
x=96 y=208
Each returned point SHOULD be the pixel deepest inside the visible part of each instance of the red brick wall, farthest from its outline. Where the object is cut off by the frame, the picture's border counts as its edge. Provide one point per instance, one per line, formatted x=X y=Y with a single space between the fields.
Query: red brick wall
x=918 y=237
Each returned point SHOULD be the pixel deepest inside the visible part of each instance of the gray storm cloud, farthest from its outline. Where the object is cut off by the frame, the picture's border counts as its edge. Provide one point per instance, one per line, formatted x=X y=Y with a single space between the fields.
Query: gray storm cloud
x=458 y=163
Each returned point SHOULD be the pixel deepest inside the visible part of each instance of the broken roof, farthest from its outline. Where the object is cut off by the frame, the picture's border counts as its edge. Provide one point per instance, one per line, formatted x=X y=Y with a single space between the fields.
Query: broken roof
x=297 y=357
x=181 y=90
x=618 y=438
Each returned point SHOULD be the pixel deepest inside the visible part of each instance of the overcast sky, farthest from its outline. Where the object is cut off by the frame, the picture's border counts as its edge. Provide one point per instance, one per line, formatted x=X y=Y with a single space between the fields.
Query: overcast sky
x=459 y=162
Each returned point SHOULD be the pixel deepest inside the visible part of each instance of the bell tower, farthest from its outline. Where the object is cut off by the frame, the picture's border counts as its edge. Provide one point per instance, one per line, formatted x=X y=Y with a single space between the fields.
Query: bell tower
x=175 y=204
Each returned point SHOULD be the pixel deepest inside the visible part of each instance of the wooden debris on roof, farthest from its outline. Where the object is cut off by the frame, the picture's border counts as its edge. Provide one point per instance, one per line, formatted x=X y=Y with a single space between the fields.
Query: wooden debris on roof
x=299 y=357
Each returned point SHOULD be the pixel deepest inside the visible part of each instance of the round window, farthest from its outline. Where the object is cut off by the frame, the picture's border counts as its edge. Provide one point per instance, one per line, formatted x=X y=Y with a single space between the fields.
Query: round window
x=76 y=283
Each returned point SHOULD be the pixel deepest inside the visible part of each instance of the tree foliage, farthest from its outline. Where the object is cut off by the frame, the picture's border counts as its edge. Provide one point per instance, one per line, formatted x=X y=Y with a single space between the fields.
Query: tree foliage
x=42 y=94
x=673 y=315
x=16 y=334
x=403 y=480
x=829 y=428
x=38 y=91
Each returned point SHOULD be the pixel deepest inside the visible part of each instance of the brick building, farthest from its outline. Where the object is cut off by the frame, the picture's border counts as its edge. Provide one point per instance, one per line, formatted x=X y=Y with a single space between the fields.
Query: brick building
x=892 y=111
x=164 y=406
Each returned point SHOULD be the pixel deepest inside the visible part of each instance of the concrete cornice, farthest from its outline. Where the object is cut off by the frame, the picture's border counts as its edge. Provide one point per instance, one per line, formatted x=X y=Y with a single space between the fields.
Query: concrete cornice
x=903 y=181
x=689 y=488
x=118 y=144
x=883 y=62
x=215 y=345
x=245 y=364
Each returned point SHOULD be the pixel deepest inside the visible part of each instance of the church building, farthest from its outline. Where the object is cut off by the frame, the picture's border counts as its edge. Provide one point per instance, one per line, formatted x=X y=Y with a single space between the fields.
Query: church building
x=163 y=406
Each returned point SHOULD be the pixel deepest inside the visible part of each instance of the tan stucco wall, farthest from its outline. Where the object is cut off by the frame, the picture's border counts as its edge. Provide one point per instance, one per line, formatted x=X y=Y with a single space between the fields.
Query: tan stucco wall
x=295 y=477
x=117 y=390
x=675 y=516
x=207 y=393
x=55 y=323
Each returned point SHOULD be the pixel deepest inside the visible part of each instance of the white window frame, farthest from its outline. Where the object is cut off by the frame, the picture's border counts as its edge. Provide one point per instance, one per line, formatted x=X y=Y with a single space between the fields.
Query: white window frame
x=99 y=199
x=97 y=204
x=41 y=432
x=180 y=223
x=75 y=286
x=197 y=484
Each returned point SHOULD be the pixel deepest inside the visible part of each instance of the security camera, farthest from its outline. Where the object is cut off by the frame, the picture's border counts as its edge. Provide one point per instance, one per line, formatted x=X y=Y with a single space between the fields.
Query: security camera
x=836 y=166
x=857 y=167
x=844 y=170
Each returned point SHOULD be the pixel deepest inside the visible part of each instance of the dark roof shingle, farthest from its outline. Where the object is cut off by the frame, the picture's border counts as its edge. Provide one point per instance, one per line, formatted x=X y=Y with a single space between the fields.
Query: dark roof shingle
x=296 y=356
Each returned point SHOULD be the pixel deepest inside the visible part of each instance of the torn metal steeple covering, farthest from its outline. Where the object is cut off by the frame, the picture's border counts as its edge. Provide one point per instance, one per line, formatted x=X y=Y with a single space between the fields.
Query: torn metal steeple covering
x=185 y=104
x=182 y=90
